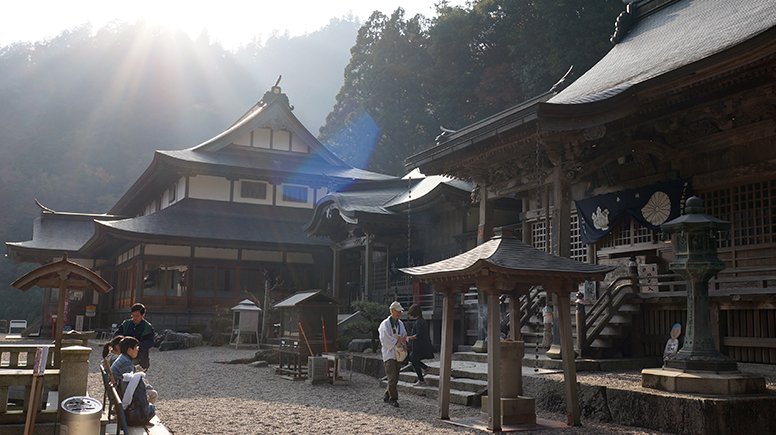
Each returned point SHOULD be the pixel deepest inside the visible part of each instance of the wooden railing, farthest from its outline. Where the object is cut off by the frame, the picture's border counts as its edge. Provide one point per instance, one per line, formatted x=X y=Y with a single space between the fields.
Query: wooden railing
x=16 y=364
x=529 y=305
x=16 y=369
x=608 y=305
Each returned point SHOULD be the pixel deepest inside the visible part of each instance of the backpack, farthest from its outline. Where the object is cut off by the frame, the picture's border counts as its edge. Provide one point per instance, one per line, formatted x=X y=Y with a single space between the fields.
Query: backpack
x=139 y=412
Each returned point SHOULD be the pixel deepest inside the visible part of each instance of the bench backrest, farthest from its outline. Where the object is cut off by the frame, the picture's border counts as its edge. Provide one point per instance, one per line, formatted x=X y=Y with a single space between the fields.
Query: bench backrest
x=115 y=400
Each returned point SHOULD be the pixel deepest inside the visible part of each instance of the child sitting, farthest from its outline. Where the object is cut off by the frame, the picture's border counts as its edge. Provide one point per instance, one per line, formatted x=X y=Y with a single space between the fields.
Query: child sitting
x=129 y=347
x=110 y=351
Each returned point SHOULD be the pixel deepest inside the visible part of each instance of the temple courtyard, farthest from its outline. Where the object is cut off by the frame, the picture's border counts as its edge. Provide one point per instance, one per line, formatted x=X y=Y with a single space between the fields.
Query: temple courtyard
x=197 y=395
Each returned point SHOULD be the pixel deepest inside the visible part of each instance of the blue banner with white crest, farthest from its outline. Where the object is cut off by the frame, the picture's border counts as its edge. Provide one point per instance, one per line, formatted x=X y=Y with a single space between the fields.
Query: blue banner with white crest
x=649 y=205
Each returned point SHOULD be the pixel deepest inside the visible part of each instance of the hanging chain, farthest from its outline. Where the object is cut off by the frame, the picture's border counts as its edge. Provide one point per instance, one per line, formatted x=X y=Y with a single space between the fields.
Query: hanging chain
x=538 y=184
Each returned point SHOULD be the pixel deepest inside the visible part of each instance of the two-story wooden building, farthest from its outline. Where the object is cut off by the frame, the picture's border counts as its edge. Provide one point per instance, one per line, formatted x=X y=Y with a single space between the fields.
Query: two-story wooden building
x=201 y=225
x=684 y=103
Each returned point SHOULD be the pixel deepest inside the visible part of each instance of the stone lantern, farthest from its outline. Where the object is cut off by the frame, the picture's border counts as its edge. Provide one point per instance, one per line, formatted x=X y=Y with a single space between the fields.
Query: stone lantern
x=695 y=244
x=698 y=367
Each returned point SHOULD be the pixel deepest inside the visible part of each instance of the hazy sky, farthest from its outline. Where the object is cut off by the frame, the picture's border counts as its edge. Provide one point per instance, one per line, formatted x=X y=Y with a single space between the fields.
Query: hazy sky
x=230 y=22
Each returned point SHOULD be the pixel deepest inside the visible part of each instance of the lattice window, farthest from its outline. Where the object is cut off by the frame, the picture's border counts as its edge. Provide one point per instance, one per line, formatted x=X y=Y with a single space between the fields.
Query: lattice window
x=539 y=235
x=628 y=233
x=750 y=208
x=578 y=249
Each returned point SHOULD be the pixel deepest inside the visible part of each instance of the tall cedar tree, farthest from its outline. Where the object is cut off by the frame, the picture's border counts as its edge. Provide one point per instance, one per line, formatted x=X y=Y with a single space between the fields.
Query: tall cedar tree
x=408 y=77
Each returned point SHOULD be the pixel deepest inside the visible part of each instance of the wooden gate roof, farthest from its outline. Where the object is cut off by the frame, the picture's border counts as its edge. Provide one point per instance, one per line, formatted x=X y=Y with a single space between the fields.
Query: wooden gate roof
x=511 y=257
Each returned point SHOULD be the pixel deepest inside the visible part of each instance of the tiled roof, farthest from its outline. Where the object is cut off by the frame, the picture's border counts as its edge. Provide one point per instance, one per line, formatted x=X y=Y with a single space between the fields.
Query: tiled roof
x=510 y=255
x=221 y=221
x=301 y=297
x=274 y=163
x=60 y=232
x=678 y=35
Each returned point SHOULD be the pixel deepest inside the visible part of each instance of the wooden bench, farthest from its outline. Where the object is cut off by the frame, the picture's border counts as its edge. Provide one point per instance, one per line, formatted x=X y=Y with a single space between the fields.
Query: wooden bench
x=154 y=427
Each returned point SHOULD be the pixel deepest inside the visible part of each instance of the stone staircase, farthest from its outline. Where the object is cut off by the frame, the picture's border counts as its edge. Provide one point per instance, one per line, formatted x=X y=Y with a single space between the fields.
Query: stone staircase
x=469 y=379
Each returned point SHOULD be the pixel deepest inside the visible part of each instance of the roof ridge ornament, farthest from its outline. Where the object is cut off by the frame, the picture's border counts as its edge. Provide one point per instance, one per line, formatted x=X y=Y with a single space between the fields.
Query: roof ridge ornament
x=623 y=24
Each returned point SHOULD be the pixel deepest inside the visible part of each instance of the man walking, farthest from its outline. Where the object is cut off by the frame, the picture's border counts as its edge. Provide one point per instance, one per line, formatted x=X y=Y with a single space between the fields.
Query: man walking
x=392 y=332
x=142 y=330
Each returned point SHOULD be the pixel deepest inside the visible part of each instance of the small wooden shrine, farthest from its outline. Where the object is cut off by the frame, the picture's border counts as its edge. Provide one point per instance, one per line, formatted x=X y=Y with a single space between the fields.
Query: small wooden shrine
x=245 y=323
x=505 y=265
x=308 y=327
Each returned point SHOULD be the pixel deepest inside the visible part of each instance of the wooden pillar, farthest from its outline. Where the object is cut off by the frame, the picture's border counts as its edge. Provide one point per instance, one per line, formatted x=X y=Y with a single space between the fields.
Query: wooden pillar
x=567 y=353
x=368 y=268
x=335 y=276
x=60 y=318
x=446 y=353
x=514 y=330
x=494 y=363
x=484 y=233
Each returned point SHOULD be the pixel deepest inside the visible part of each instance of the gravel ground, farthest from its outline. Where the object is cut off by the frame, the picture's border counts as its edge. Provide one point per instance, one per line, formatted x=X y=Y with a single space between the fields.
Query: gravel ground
x=199 y=396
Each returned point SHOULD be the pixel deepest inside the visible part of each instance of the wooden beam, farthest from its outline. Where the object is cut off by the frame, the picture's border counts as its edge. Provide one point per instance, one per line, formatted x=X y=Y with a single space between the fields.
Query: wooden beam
x=567 y=355
x=446 y=354
x=494 y=363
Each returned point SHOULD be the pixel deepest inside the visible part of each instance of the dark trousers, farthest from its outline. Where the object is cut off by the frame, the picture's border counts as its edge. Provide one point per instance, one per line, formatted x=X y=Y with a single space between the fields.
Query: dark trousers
x=392 y=371
x=418 y=365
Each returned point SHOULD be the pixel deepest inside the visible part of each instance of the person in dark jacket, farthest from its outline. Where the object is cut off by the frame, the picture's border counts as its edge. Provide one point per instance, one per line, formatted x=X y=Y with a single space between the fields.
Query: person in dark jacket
x=421 y=345
x=142 y=330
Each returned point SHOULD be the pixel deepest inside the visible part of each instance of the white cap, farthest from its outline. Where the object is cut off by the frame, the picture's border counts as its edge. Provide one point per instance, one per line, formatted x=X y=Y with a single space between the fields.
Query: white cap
x=396 y=306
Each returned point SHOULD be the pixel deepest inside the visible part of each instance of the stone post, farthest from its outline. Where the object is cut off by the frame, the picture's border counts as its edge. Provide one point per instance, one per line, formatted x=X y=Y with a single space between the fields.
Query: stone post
x=74 y=371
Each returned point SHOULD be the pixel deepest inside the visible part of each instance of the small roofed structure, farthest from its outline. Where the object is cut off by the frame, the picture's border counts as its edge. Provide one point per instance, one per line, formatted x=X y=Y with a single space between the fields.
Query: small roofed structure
x=245 y=321
x=505 y=265
x=64 y=275
x=308 y=327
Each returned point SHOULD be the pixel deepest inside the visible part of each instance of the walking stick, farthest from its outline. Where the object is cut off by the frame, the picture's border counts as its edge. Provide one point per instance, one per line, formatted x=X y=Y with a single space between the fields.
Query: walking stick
x=305 y=339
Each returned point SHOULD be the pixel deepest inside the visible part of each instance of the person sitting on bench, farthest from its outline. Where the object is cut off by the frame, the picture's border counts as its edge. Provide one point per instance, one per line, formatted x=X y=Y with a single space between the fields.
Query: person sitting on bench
x=129 y=347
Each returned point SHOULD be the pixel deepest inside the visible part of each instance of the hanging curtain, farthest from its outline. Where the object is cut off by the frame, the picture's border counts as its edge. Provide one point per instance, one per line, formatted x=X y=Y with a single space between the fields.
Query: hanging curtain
x=649 y=205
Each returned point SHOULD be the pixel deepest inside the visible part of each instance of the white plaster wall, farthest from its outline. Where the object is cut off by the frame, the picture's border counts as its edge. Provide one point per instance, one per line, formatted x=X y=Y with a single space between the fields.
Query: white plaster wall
x=299 y=257
x=251 y=255
x=168 y=250
x=280 y=140
x=208 y=187
x=218 y=253
x=297 y=145
x=244 y=141
x=261 y=138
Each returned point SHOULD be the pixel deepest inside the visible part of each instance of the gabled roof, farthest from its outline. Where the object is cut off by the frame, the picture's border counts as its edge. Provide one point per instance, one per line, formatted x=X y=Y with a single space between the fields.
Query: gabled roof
x=508 y=256
x=672 y=39
x=54 y=233
x=219 y=156
x=675 y=36
x=377 y=199
x=207 y=223
x=302 y=298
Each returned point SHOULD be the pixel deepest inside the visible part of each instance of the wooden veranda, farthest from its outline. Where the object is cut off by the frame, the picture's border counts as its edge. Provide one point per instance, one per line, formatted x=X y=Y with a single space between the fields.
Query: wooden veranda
x=506 y=266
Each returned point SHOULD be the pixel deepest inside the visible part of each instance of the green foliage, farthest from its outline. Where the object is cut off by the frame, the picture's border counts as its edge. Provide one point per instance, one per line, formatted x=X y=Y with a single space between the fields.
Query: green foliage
x=408 y=76
x=82 y=113
x=373 y=314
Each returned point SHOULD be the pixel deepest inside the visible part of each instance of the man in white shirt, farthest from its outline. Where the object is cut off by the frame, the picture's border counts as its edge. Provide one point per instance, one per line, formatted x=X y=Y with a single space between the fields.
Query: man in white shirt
x=392 y=332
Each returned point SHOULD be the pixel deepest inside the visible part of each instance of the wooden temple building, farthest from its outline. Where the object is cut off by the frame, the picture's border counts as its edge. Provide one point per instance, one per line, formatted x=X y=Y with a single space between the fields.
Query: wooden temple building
x=202 y=225
x=684 y=103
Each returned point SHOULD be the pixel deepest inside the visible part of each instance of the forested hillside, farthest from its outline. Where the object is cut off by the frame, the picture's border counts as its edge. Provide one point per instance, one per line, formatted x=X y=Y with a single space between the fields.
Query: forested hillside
x=81 y=114
x=408 y=76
